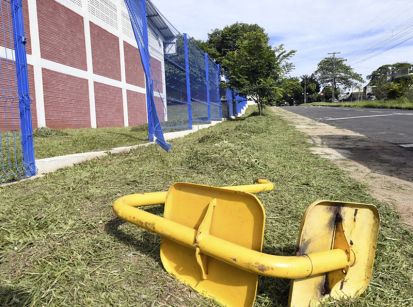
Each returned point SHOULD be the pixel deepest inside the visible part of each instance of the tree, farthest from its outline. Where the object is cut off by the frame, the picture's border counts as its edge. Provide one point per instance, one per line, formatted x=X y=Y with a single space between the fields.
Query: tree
x=221 y=42
x=252 y=68
x=283 y=57
x=311 y=88
x=332 y=71
x=250 y=64
x=391 y=81
x=327 y=92
x=292 y=91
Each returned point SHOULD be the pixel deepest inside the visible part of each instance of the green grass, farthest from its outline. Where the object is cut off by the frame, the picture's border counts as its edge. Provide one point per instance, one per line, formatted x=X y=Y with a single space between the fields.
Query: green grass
x=60 y=243
x=178 y=118
x=403 y=104
x=53 y=142
x=50 y=142
x=11 y=159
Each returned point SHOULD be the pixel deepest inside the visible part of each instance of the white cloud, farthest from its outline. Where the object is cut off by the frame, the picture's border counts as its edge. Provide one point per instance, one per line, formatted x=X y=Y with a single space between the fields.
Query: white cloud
x=360 y=29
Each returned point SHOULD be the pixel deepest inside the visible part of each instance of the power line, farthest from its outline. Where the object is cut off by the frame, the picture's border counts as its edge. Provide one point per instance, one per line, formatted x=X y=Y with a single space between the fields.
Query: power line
x=397 y=38
x=394 y=37
x=400 y=31
x=399 y=42
x=392 y=17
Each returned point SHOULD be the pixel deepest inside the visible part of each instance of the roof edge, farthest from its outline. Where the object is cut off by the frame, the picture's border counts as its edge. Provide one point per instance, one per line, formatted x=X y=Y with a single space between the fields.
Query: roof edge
x=158 y=21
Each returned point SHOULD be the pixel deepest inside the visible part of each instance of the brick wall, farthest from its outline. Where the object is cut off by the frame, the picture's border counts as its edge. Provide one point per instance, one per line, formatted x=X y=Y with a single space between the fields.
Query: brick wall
x=133 y=66
x=109 y=106
x=156 y=72
x=160 y=109
x=136 y=108
x=9 y=99
x=61 y=33
x=6 y=25
x=105 y=52
x=66 y=100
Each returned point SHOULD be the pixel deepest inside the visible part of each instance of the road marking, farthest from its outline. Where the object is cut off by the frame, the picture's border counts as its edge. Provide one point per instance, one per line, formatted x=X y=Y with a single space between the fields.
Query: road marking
x=366 y=116
x=406 y=145
x=354 y=117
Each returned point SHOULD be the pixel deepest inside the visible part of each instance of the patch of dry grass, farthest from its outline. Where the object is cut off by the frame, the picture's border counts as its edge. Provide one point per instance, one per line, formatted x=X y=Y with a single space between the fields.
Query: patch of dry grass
x=60 y=243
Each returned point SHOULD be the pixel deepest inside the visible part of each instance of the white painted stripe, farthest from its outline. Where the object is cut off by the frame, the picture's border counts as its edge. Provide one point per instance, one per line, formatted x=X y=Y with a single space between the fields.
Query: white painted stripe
x=79 y=73
x=57 y=67
x=122 y=69
x=406 y=145
x=34 y=59
x=89 y=64
x=366 y=116
x=7 y=53
x=165 y=104
x=354 y=117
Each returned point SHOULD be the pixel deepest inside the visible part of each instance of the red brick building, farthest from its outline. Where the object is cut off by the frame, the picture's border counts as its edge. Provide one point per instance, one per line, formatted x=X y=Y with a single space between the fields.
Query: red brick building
x=84 y=66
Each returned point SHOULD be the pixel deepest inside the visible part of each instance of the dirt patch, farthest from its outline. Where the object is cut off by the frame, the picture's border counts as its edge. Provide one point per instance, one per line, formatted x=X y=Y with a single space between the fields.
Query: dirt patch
x=386 y=169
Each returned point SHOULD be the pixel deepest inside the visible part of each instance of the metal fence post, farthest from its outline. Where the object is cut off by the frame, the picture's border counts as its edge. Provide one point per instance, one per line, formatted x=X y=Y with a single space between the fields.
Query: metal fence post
x=218 y=90
x=23 y=88
x=145 y=37
x=188 y=81
x=237 y=104
x=230 y=103
x=207 y=85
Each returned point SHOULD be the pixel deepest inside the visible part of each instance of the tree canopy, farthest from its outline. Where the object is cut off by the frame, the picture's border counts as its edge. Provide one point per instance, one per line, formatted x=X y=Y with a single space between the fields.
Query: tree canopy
x=392 y=81
x=312 y=87
x=251 y=64
x=333 y=71
x=222 y=41
x=292 y=91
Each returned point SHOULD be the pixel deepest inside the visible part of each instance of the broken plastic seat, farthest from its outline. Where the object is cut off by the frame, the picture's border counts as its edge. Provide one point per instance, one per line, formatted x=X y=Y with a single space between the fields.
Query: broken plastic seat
x=212 y=241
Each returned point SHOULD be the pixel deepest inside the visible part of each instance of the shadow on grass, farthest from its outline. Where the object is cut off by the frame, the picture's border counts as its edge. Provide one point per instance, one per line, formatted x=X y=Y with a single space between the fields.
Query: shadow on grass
x=276 y=289
x=128 y=136
x=147 y=244
x=10 y=296
x=252 y=114
x=142 y=128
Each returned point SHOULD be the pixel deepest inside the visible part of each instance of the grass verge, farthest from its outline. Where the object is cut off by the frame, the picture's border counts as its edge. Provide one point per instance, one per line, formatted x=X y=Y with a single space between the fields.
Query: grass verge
x=402 y=104
x=11 y=157
x=50 y=142
x=60 y=243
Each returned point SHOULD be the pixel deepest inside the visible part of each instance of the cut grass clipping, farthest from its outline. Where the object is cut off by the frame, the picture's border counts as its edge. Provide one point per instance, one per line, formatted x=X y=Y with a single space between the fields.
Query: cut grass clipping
x=60 y=243
x=51 y=142
x=11 y=157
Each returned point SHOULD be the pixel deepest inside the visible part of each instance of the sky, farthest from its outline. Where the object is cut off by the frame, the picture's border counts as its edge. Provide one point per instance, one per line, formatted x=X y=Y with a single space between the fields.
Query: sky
x=368 y=33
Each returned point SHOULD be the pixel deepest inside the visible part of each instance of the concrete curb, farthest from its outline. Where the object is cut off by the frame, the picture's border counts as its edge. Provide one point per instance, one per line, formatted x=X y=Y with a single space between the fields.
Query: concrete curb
x=48 y=165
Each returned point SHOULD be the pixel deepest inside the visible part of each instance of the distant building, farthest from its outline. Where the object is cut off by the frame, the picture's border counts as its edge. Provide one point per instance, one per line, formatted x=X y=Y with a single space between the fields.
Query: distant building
x=84 y=65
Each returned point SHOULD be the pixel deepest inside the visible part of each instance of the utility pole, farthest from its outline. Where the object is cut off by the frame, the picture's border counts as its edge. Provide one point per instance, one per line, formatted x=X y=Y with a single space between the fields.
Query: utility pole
x=334 y=73
x=305 y=89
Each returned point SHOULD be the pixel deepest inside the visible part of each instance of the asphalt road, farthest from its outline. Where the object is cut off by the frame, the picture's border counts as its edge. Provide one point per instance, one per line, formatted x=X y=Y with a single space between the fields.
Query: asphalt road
x=393 y=126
